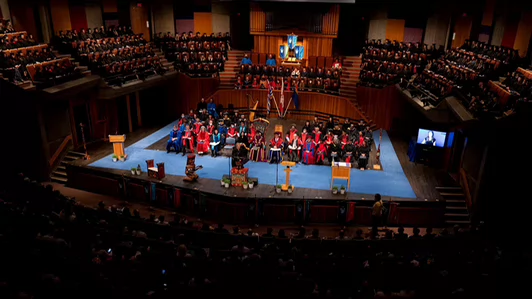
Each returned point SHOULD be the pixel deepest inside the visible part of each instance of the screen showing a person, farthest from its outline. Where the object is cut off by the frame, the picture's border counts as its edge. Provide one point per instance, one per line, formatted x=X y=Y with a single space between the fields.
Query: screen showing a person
x=431 y=138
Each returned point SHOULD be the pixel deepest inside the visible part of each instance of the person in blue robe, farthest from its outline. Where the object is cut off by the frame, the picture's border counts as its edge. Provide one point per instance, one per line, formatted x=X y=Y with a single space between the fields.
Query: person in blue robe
x=175 y=140
x=211 y=108
x=223 y=132
x=215 y=138
x=271 y=61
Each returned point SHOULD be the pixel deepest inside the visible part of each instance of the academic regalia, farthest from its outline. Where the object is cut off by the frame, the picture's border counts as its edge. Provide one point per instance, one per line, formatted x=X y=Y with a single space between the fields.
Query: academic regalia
x=335 y=153
x=203 y=142
x=251 y=136
x=232 y=133
x=176 y=144
x=216 y=148
x=308 y=152
x=211 y=108
x=257 y=152
x=210 y=129
x=197 y=127
x=304 y=136
x=292 y=133
x=329 y=142
x=349 y=153
x=321 y=153
x=317 y=137
x=295 y=150
x=345 y=141
x=276 y=142
x=188 y=141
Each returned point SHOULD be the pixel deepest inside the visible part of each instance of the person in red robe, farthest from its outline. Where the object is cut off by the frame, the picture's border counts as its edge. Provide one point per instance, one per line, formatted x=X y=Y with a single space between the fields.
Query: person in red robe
x=294 y=149
x=317 y=136
x=329 y=140
x=232 y=132
x=258 y=151
x=276 y=145
x=188 y=140
x=197 y=126
x=321 y=153
x=203 y=141
x=251 y=136
x=292 y=133
x=345 y=140
x=308 y=152
x=211 y=127
x=304 y=135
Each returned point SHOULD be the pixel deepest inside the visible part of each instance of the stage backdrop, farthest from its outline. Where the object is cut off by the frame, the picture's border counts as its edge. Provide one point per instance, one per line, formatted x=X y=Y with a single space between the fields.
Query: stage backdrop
x=380 y=105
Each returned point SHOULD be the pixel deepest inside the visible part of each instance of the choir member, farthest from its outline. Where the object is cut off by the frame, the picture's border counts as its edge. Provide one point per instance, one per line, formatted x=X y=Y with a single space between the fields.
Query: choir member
x=294 y=149
x=258 y=152
x=232 y=132
x=293 y=133
x=349 y=150
x=175 y=140
x=203 y=141
x=335 y=152
x=308 y=151
x=276 y=145
x=216 y=141
x=188 y=140
x=317 y=136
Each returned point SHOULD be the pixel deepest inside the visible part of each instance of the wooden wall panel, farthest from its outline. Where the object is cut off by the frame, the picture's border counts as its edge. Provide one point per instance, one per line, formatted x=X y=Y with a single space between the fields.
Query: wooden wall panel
x=60 y=15
x=110 y=6
x=4 y=10
x=94 y=15
x=308 y=101
x=510 y=31
x=331 y=20
x=203 y=22
x=23 y=17
x=257 y=18
x=381 y=105
x=187 y=92
x=462 y=30
x=267 y=44
x=489 y=13
x=524 y=32
x=139 y=18
x=78 y=16
x=395 y=30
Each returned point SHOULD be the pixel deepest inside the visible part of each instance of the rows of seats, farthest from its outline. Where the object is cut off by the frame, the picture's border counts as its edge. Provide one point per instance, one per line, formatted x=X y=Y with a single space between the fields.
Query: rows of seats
x=23 y=60
x=472 y=72
x=54 y=247
x=392 y=62
x=197 y=55
x=117 y=54
x=261 y=76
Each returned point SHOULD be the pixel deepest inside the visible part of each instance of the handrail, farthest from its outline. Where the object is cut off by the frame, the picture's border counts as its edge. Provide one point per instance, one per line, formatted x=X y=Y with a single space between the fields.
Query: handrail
x=320 y=115
x=465 y=185
x=60 y=149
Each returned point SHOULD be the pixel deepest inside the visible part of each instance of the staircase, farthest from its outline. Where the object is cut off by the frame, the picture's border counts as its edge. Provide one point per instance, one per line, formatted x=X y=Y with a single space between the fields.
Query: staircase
x=350 y=76
x=231 y=69
x=165 y=63
x=59 y=175
x=456 y=212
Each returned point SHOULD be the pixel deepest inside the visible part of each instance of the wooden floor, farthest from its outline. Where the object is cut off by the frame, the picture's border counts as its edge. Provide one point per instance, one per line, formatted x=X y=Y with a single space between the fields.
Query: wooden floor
x=423 y=179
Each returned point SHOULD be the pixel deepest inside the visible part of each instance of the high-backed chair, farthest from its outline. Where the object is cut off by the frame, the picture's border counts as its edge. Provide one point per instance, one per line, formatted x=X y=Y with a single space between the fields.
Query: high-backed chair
x=155 y=172
x=229 y=145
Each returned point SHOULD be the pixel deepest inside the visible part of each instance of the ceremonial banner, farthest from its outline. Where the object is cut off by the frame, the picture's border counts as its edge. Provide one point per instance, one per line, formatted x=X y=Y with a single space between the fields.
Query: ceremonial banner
x=295 y=97
x=270 y=96
x=292 y=41
x=300 y=52
x=283 y=51
x=281 y=100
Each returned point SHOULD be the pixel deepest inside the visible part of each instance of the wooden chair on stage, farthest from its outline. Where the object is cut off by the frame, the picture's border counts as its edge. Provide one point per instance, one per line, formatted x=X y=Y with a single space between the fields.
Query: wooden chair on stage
x=155 y=172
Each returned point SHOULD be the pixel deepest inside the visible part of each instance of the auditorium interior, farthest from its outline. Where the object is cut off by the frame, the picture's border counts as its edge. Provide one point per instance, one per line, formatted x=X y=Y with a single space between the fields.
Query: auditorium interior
x=303 y=149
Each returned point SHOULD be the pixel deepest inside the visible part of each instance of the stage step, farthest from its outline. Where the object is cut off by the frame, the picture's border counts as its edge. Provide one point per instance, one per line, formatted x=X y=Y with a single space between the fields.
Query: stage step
x=452 y=194
x=448 y=188
x=61 y=180
x=58 y=173
x=454 y=222
x=457 y=208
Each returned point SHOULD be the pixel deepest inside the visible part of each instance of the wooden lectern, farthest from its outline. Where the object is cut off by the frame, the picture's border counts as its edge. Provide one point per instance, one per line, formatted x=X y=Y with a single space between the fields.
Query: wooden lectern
x=288 y=164
x=341 y=171
x=118 y=145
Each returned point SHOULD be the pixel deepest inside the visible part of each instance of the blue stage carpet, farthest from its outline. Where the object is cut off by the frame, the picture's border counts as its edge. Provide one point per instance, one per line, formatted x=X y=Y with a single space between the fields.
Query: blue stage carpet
x=389 y=182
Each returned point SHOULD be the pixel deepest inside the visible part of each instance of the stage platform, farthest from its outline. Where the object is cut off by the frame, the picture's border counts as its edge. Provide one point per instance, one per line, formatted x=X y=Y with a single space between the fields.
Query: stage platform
x=312 y=201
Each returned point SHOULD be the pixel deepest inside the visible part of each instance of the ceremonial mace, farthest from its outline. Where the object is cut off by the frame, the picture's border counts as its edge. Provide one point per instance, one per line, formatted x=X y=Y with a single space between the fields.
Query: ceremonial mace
x=82 y=126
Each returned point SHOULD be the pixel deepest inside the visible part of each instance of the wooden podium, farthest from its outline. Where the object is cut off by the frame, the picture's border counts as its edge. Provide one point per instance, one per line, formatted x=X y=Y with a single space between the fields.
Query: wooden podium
x=118 y=145
x=341 y=171
x=288 y=164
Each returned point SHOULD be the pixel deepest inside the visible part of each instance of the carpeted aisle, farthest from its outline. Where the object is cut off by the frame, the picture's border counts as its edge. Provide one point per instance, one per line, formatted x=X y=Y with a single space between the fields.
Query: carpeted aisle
x=389 y=182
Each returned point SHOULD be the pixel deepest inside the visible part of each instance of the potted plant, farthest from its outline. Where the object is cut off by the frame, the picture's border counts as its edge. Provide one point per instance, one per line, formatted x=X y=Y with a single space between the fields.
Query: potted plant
x=251 y=184
x=227 y=183
x=115 y=158
x=290 y=189
x=133 y=170
x=122 y=158
x=139 y=170
x=278 y=189
x=335 y=190
x=245 y=185
x=342 y=189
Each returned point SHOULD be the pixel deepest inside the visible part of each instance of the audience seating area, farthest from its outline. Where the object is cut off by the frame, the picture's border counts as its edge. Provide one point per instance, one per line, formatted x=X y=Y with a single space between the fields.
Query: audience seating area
x=267 y=70
x=23 y=60
x=197 y=55
x=117 y=54
x=393 y=62
x=65 y=250
x=472 y=72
